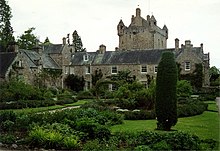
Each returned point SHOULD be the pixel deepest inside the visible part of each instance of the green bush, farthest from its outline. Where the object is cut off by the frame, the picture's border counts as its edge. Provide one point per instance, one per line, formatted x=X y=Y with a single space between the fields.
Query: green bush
x=191 y=108
x=183 y=88
x=84 y=95
x=7 y=138
x=162 y=145
x=139 y=115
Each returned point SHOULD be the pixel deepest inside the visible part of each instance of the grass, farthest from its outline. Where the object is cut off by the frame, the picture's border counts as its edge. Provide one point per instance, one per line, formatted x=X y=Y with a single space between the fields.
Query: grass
x=206 y=125
x=49 y=108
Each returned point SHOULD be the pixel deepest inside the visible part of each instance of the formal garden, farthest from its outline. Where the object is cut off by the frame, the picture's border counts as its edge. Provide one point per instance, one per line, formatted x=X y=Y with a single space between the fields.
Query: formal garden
x=127 y=118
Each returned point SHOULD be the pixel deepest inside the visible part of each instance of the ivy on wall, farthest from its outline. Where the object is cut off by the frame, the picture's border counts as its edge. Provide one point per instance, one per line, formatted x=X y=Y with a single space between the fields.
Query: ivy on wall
x=195 y=78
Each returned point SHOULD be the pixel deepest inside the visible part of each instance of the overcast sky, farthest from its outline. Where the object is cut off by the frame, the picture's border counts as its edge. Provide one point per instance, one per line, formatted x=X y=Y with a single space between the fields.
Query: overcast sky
x=96 y=20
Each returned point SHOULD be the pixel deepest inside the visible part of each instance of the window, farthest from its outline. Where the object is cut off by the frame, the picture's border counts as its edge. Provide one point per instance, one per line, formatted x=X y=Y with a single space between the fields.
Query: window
x=112 y=87
x=114 y=70
x=144 y=69
x=187 y=66
x=87 y=69
x=71 y=70
x=155 y=69
x=86 y=57
x=66 y=69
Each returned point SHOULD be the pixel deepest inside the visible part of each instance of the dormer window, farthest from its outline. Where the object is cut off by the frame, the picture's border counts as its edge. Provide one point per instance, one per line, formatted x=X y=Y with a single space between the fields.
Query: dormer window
x=86 y=57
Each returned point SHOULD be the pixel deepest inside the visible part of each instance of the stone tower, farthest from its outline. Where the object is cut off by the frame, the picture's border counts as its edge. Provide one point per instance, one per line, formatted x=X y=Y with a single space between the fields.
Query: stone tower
x=142 y=33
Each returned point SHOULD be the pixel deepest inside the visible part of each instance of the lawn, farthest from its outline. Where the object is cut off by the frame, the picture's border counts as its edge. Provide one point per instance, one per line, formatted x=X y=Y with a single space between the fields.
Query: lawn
x=206 y=126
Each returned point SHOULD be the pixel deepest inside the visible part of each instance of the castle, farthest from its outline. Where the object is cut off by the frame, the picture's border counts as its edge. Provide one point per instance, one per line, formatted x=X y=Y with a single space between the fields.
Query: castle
x=141 y=45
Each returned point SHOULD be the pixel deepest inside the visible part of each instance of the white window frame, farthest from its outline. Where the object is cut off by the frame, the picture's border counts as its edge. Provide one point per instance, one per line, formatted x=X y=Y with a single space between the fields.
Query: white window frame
x=143 y=67
x=113 y=68
x=155 y=69
x=66 y=69
x=86 y=57
x=112 y=87
x=88 y=69
x=71 y=70
x=187 y=66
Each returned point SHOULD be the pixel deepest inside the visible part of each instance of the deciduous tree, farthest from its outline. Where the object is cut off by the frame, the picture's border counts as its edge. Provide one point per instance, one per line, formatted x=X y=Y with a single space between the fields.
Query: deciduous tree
x=27 y=40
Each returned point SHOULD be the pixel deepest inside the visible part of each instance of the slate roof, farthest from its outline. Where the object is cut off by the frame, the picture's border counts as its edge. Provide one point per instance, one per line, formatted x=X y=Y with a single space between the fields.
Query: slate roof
x=6 y=59
x=53 y=48
x=120 y=57
x=33 y=56
x=48 y=62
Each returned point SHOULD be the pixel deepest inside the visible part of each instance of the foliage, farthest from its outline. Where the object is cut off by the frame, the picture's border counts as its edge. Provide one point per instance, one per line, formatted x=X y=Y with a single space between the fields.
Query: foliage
x=96 y=76
x=184 y=89
x=191 y=108
x=139 y=115
x=75 y=82
x=15 y=90
x=77 y=42
x=27 y=40
x=6 y=31
x=123 y=77
x=214 y=74
x=47 y=41
x=53 y=136
x=195 y=78
x=166 y=101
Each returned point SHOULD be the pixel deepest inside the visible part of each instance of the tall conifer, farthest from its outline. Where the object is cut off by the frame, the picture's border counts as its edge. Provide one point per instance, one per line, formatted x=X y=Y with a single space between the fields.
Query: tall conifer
x=166 y=100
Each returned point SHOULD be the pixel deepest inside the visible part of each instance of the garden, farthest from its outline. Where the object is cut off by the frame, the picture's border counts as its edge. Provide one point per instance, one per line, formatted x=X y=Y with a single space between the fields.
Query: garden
x=123 y=119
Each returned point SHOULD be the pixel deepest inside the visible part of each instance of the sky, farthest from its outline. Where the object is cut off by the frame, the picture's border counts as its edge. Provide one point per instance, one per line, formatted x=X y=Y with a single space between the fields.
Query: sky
x=96 y=20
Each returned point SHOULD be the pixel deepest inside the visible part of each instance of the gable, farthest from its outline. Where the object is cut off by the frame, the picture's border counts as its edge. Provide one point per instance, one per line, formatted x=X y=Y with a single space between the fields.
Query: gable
x=6 y=60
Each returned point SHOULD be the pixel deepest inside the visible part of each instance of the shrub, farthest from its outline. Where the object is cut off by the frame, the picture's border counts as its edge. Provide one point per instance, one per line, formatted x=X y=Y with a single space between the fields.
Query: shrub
x=71 y=142
x=162 y=145
x=191 y=108
x=139 y=115
x=184 y=89
x=84 y=95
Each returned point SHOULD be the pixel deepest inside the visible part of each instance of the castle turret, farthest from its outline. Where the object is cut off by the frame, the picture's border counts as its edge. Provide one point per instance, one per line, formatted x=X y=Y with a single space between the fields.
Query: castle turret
x=166 y=30
x=138 y=12
x=153 y=20
x=120 y=28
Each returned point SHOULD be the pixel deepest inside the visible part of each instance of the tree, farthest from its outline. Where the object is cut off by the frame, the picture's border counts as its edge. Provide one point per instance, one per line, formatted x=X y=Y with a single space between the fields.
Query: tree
x=77 y=42
x=27 y=40
x=75 y=82
x=6 y=31
x=47 y=41
x=214 y=74
x=97 y=76
x=166 y=99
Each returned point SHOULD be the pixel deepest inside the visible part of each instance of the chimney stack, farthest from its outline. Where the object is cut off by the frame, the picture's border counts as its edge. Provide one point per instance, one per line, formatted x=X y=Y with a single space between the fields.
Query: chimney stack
x=176 y=44
x=102 y=49
x=64 y=41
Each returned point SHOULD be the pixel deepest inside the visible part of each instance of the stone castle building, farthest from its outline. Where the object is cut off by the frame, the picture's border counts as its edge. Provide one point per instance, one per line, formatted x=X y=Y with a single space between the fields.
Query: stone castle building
x=141 y=45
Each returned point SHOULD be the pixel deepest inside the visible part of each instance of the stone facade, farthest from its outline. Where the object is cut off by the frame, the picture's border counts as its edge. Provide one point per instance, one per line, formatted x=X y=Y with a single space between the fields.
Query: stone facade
x=142 y=34
x=141 y=45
